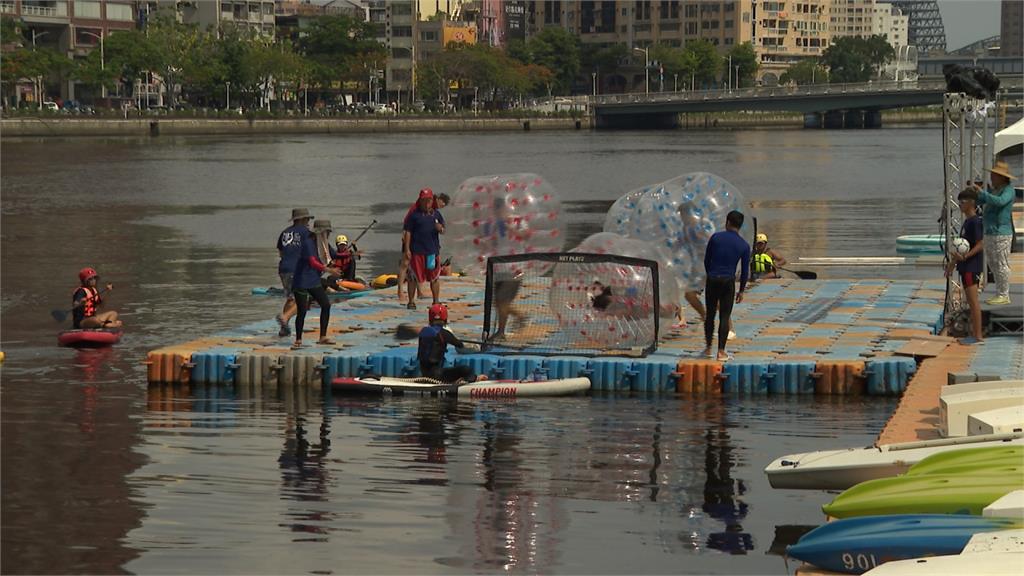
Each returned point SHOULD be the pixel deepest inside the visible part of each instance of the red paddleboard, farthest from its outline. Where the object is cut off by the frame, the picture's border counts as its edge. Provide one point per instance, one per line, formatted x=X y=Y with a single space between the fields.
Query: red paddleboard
x=94 y=338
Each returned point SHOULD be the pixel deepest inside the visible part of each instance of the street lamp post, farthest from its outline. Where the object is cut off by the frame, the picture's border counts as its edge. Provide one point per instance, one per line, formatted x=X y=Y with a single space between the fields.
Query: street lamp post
x=737 y=76
x=647 y=69
x=675 y=82
x=103 y=60
x=728 y=72
x=593 y=77
x=227 y=95
x=38 y=83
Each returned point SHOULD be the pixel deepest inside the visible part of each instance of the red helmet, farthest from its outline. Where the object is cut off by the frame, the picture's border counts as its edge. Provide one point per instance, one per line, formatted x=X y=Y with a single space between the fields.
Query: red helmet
x=426 y=193
x=86 y=273
x=438 y=312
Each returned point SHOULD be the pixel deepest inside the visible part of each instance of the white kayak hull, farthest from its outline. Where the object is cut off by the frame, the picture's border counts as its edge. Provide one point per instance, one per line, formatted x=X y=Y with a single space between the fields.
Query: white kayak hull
x=987 y=563
x=954 y=410
x=998 y=421
x=470 y=390
x=841 y=469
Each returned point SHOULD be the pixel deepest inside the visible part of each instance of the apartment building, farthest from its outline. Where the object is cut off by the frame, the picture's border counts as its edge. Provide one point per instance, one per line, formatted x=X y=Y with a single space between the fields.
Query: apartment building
x=396 y=22
x=889 y=21
x=255 y=15
x=1011 y=21
x=788 y=32
x=72 y=27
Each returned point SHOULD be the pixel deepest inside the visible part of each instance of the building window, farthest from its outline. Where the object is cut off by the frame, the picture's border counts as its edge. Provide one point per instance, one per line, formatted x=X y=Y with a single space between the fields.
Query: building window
x=401 y=9
x=727 y=24
x=401 y=75
x=428 y=36
x=714 y=24
x=705 y=25
x=746 y=17
x=120 y=12
x=691 y=28
x=87 y=10
x=401 y=31
x=728 y=41
x=691 y=11
x=401 y=53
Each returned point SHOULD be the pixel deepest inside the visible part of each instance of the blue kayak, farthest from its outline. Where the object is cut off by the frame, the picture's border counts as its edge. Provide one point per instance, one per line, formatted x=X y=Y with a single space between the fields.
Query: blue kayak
x=856 y=545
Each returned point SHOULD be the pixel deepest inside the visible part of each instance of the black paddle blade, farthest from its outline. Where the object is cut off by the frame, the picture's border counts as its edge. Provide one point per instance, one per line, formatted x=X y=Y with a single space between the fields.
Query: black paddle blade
x=407 y=331
x=805 y=274
x=59 y=315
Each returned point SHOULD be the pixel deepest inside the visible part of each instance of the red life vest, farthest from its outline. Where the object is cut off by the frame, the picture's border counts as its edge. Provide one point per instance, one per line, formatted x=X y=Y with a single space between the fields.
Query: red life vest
x=92 y=298
x=343 y=259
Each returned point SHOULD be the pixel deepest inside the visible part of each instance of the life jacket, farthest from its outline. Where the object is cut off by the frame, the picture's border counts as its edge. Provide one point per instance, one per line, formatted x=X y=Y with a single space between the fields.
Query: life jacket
x=762 y=263
x=342 y=260
x=92 y=298
x=432 y=345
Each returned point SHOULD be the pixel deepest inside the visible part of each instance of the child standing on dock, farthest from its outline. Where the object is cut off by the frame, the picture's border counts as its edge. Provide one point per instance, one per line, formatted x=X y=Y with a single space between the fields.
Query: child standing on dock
x=969 y=265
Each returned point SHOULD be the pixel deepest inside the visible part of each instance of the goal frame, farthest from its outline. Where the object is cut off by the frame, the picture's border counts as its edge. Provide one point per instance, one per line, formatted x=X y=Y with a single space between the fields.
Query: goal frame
x=556 y=258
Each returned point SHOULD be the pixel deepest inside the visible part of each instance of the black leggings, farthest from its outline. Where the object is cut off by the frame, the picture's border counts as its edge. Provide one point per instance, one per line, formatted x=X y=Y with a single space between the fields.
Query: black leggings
x=449 y=375
x=718 y=296
x=302 y=300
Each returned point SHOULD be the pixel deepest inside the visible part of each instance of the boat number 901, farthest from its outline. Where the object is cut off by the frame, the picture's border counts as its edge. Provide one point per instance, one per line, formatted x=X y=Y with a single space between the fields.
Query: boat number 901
x=862 y=561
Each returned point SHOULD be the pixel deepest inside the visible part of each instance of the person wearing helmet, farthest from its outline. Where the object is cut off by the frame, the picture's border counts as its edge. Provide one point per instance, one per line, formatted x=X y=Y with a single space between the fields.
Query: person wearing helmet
x=440 y=201
x=345 y=257
x=422 y=244
x=433 y=343
x=87 y=300
x=765 y=261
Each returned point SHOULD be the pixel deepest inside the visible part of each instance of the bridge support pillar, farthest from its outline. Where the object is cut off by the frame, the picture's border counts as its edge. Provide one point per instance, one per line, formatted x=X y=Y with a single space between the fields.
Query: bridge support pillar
x=872 y=118
x=853 y=119
x=812 y=120
x=833 y=119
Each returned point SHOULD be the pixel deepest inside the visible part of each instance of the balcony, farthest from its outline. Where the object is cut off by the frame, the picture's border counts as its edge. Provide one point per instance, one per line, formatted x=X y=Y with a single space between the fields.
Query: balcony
x=6 y=8
x=58 y=10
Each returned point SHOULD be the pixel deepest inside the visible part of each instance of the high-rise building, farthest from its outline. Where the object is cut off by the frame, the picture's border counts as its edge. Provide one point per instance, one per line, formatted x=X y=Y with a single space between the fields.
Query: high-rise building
x=1010 y=38
x=851 y=18
x=255 y=15
x=925 y=29
x=788 y=32
x=890 y=22
x=397 y=21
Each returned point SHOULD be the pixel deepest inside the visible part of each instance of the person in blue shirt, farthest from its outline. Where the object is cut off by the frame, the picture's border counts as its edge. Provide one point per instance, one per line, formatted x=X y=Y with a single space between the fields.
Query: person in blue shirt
x=422 y=243
x=997 y=203
x=970 y=265
x=433 y=343
x=725 y=250
x=289 y=246
x=307 y=284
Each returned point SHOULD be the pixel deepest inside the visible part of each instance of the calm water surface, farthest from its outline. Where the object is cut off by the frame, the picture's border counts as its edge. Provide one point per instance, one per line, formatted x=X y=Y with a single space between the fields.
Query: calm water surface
x=103 y=474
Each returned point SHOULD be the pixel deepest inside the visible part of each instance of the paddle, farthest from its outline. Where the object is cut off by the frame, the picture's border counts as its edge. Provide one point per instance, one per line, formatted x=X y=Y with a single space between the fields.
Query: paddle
x=351 y=245
x=62 y=315
x=406 y=331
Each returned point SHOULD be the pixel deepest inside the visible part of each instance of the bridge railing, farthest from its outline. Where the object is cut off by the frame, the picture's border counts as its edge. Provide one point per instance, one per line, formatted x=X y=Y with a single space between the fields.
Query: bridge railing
x=768 y=92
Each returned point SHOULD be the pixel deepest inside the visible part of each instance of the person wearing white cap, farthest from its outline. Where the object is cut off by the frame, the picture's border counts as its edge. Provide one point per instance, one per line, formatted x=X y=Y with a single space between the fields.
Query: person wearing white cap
x=997 y=202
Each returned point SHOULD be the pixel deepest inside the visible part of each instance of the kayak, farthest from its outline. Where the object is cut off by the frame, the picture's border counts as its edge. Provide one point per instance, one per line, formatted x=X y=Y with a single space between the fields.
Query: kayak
x=91 y=338
x=987 y=563
x=954 y=410
x=279 y=292
x=1009 y=506
x=841 y=469
x=384 y=281
x=920 y=243
x=1008 y=419
x=926 y=494
x=857 y=545
x=472 y=390
x=998 y=541
x=970 y=461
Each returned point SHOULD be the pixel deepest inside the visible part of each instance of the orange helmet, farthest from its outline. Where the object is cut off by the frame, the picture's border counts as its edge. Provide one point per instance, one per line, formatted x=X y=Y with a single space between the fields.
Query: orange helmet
x=86 y=273
x=438 y=312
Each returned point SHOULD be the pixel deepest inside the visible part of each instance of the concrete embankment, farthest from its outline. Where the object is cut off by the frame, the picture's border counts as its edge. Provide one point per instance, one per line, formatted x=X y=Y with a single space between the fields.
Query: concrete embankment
x=720 y=120
x=157 y=126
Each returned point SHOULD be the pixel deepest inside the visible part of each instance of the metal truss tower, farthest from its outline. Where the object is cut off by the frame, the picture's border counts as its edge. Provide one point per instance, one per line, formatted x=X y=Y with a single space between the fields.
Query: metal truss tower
x=967 y=132
x=925 y=28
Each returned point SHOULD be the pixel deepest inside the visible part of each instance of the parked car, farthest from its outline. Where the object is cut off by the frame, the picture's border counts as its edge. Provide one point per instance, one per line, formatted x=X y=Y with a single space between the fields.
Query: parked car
x=384 y=109
x=50 y=106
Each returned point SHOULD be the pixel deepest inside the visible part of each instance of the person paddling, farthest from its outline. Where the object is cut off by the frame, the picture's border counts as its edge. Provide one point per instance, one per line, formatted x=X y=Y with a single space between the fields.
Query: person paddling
x=87 y=301
x=433 y=343
x=345 y=257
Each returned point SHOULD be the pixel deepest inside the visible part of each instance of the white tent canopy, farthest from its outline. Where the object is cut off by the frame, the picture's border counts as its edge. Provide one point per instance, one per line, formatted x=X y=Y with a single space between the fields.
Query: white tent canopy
x=1010 y=137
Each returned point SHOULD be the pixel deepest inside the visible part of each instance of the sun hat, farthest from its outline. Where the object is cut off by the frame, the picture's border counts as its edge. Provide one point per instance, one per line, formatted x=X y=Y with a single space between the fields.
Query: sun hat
x=300 y=214
x=322 y=225
x=1003 y=169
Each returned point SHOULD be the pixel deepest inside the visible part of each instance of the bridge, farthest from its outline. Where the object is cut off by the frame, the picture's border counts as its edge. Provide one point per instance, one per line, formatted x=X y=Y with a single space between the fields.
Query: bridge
x=823 y=105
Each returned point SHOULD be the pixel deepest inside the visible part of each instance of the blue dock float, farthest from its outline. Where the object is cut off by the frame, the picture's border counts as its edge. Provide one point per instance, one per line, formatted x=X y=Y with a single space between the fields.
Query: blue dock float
x=793 y=337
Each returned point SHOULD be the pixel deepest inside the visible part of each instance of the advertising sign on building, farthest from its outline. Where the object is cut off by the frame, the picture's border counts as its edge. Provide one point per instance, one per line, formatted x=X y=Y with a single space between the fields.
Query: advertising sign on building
x=465 y=34
x=515 y=20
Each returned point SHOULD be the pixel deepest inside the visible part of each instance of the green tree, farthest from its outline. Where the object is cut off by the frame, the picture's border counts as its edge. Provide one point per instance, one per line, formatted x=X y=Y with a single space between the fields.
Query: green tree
x=339 y=48
x=808 y=71
x=31 y=63
x=851 y=59
x=131 y=56
x=703 y=61
x=11 y=31
x=743 y=55
x=555 y=49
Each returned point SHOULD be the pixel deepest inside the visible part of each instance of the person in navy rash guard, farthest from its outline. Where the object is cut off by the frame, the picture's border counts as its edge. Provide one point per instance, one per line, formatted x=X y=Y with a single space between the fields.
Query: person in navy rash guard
x=308 y=286
x=725 y=250
x=433 y=343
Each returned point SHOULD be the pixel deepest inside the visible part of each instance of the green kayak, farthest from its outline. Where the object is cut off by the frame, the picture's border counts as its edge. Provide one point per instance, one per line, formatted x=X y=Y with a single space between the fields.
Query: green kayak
x=971 y=461
x=924 y=494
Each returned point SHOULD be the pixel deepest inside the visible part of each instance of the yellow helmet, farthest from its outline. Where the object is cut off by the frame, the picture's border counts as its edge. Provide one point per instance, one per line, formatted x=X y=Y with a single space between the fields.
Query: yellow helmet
x=761 y=238
x=341 y=239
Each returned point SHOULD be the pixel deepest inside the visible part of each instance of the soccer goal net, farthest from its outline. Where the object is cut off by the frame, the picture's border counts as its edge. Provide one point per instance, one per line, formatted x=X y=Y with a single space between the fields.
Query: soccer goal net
x=571 y=303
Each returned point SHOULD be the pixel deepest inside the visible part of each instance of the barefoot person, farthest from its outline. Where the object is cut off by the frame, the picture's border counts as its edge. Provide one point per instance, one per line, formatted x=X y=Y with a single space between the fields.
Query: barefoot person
x=725 y=250
x=87 y=301
x=440 y=201
x=969 y=265
x=289 y=246
x=308 y=285
x=422 y=244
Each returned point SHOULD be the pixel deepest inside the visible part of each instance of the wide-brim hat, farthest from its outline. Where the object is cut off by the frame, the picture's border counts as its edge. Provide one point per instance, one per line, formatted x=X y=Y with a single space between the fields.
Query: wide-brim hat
x=1003 y=169
x=321 y=225
x=300 y=214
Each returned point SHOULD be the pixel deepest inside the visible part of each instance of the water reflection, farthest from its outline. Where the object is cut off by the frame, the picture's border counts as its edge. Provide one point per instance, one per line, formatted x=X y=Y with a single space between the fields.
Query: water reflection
x=305 y=477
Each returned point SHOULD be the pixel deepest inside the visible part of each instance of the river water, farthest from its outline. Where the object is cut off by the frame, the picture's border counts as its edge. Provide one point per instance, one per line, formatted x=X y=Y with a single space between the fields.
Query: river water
x=103 y=474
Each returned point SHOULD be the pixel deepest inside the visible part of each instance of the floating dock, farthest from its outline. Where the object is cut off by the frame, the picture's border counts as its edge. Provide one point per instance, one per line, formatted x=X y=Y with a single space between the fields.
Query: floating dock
x=794 y=337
